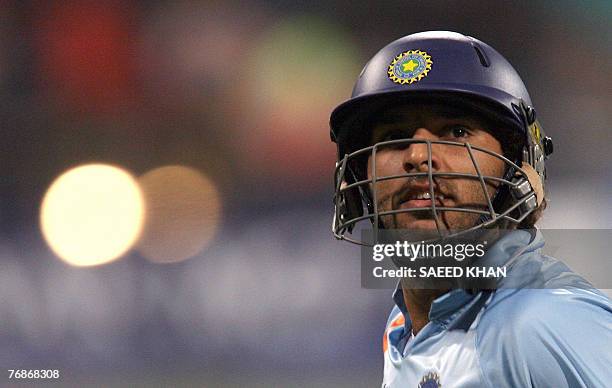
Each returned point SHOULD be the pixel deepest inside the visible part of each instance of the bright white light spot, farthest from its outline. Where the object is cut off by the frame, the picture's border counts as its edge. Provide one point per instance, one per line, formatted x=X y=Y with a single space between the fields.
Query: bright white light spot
x=92 y=214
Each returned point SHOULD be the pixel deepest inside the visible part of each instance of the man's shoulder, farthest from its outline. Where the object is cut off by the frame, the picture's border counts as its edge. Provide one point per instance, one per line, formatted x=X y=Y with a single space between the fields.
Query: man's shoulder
x=533 y=308
x=546 y=335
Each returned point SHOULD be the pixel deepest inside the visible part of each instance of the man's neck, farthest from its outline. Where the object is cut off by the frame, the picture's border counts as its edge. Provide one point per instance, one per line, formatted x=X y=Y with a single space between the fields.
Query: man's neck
x=418 y=303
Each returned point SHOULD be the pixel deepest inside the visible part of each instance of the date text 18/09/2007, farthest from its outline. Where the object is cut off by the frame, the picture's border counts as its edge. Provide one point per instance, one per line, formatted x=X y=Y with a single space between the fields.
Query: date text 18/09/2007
x=440 y=272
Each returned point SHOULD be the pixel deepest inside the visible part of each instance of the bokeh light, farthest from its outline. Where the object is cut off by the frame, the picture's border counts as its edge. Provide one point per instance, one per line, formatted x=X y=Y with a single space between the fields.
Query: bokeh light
x=184 y=64
x=299 y=70
x=92 y=214
x=85 y=54
x=183 y=213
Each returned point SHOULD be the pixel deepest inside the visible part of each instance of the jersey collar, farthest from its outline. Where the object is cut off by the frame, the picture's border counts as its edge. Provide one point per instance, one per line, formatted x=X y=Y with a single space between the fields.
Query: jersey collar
x=457 y=309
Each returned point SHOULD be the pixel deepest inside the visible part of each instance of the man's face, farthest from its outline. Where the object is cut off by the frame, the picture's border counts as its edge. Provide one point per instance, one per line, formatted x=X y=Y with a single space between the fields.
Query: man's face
x=433 y=122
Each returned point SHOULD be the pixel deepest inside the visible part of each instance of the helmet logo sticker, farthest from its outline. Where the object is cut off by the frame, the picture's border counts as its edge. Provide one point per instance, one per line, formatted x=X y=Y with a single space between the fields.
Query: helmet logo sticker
x=410 y=66
x=535 y=132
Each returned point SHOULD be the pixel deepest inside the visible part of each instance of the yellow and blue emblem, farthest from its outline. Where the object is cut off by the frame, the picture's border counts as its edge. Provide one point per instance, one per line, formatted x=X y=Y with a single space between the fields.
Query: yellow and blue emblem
x=535 y=132
x=410 y=66
x=430 y=380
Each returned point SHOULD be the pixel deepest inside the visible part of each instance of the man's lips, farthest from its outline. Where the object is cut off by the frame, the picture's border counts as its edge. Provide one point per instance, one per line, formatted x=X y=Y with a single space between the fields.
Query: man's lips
x=415 y=203
x=419 y=196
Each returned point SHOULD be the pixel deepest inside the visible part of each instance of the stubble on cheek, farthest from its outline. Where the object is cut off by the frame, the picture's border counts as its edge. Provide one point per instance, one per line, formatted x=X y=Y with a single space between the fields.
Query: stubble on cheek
x=385 y=192
x=469 y=193
x=385 y=201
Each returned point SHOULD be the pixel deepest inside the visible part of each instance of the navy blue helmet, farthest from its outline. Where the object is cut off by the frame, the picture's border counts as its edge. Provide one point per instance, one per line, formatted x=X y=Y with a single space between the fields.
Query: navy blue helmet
x=448 y=68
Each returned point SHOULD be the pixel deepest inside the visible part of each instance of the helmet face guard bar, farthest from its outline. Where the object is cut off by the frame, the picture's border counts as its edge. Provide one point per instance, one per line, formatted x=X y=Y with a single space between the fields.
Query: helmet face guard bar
x=353 y=194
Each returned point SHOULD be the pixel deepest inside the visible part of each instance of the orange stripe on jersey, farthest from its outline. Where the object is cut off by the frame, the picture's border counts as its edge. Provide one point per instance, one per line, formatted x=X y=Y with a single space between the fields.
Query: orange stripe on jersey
x=385 y=342
x=397 y=322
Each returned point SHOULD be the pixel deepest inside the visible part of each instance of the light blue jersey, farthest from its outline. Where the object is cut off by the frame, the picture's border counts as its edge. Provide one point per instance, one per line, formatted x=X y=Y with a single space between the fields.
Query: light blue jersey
x=555 y=332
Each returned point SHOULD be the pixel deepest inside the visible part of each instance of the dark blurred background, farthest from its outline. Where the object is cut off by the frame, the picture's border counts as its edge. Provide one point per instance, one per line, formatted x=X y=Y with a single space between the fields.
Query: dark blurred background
x=219 y=112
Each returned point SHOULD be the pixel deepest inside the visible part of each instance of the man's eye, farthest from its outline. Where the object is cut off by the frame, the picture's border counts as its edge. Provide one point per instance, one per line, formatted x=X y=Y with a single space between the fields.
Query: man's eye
x=396 y=135
x=459 y=131
x=391 y=136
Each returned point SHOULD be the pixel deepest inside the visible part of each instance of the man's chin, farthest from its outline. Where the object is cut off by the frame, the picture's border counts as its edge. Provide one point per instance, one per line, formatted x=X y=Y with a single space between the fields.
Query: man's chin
x=416 y=230
x=418 y=224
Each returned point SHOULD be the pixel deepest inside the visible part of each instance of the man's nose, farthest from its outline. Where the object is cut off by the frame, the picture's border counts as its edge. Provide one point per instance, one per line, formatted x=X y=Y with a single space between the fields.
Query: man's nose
x=416 y=156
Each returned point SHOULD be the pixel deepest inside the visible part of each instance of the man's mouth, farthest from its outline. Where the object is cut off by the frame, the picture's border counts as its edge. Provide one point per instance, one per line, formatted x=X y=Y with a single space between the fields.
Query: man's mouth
x=421 y=200
x=420 y=196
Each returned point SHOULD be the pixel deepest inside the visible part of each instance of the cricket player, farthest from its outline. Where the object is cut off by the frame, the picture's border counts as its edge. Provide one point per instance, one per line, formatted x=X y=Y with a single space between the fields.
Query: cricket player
x=440 y=135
